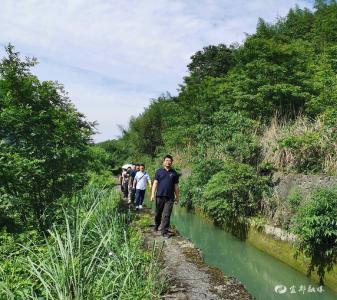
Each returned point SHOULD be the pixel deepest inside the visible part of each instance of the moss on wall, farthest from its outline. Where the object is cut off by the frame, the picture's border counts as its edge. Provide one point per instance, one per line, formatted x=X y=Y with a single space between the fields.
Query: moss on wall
x=284 y=251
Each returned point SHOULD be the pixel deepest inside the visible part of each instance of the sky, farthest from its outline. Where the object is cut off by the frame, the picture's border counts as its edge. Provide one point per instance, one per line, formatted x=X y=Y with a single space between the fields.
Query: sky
x=113 y=57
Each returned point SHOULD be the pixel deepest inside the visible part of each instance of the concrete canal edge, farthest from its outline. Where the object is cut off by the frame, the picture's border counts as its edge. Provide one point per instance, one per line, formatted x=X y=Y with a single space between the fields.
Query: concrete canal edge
x=285 y=252
x=273 y=240
x=280 y=245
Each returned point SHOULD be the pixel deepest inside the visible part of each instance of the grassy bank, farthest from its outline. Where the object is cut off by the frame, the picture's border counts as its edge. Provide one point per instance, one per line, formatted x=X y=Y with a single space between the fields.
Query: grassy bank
x=91 y=254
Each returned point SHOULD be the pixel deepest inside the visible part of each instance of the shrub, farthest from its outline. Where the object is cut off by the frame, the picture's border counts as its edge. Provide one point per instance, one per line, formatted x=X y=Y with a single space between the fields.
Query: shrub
x=234 y=193
x=193 y=185
x=316 y=227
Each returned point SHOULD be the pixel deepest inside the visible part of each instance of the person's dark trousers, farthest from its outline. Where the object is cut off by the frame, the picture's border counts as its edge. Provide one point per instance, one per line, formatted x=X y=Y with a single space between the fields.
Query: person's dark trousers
x=139 y=197
x=126 y=190
x=133 y=195
x=164 y=207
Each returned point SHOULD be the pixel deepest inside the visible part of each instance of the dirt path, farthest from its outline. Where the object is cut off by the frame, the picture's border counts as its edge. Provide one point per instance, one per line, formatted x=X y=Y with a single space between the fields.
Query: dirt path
x=189 y=276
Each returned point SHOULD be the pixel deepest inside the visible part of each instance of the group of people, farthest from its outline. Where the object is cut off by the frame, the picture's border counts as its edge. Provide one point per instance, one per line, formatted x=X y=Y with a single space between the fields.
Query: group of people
x=134 y=181
x=164 y=190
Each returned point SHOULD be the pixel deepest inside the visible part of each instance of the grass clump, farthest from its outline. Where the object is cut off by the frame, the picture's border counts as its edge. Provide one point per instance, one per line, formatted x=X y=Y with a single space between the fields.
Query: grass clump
x=93 y=254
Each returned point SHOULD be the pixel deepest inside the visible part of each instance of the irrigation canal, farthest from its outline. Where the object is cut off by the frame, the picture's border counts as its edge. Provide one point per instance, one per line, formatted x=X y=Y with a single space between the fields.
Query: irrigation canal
x=265 y=277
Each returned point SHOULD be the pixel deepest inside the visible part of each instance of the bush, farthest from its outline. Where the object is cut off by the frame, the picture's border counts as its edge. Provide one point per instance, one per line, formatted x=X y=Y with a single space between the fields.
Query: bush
x=234 y=193
x=316 y=227
x=193 y=185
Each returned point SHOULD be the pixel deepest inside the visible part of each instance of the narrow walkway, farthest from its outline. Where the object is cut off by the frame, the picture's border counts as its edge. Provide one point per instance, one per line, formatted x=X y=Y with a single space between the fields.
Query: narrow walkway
x=189 y=276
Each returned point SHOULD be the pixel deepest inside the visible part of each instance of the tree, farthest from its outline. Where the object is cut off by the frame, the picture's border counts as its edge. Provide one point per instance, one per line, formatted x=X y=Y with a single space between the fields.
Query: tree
x=213 y=61
x=269 y=77
x=44 y=142
x=325 y=23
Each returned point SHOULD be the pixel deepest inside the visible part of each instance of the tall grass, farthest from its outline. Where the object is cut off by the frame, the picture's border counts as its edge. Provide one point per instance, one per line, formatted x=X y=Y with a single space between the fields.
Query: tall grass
x=93 y=255
x=304 y=145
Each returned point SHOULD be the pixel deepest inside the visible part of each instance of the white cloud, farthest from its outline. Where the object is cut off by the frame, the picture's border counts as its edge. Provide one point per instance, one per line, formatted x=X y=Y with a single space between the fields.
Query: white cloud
x=113 y=56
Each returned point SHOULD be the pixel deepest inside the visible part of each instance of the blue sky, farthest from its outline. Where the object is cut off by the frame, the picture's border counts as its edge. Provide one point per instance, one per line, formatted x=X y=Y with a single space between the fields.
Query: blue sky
x=114 y=56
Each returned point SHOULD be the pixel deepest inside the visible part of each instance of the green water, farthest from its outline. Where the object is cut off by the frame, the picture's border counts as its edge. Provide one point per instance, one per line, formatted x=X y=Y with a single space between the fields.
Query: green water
x=259 y=272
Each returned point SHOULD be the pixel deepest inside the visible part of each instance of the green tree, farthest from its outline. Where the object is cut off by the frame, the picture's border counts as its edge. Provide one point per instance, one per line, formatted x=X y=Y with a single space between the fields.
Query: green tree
x=44 y=142
x=230 y=134
x=325 y=23
x=269 y=77
x=323 y=88
x=212 y=61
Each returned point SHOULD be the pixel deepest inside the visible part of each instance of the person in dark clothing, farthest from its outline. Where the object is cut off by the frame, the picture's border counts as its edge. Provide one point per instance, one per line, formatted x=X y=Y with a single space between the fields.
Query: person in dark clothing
x=125 y=182
x=132 y=191
x=165 y=191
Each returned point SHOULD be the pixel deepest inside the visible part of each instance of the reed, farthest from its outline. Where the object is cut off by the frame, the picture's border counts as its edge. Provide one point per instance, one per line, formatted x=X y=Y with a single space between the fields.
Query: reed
x=93 y=254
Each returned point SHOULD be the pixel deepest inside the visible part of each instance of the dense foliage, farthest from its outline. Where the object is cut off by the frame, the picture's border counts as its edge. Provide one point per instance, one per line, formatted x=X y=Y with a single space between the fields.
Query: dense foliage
x=60 y=237
x=44 y=144
x=268 y=104
x=233 y=193
x=316 y=227
x=231 y=94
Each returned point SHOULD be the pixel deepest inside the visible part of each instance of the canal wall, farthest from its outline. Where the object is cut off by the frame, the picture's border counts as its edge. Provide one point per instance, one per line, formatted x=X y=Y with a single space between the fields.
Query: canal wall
x=278 y=242
x=285 y=251
x=284 y=184
x=274 y=240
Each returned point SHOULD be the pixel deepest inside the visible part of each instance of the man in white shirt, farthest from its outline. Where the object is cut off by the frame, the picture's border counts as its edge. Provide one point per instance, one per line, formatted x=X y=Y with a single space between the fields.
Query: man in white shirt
x=139 y=183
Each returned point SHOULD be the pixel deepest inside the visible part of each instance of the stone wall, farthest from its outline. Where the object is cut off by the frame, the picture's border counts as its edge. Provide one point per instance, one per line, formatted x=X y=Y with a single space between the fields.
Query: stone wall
x=284 y=184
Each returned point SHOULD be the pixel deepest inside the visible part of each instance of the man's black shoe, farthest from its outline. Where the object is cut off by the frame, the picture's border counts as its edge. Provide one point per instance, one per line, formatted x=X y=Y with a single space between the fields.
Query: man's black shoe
x=155 y=228
x=166 y=235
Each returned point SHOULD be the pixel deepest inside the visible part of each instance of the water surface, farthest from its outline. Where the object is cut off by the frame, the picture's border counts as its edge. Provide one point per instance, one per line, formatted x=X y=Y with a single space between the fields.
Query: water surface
x=259 y=272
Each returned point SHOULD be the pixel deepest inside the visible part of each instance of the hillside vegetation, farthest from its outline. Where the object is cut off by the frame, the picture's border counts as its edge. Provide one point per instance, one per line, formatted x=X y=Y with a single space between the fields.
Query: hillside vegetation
x=245 y=111
x=62 y=234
